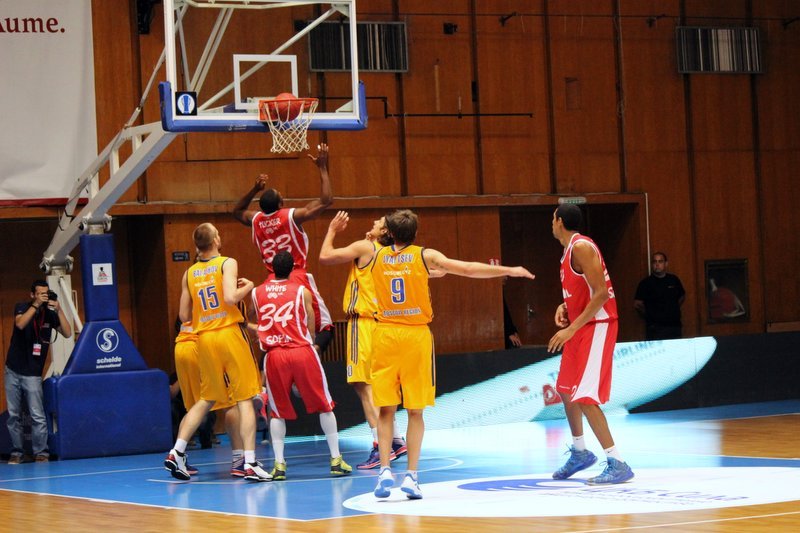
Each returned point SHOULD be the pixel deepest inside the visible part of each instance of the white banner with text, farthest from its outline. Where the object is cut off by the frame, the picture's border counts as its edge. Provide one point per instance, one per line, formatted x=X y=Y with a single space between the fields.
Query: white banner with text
x=48 y=135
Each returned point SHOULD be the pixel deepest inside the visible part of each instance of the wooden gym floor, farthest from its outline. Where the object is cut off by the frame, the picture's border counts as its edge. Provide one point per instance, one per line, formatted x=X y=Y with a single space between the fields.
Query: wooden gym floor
x=730 y=468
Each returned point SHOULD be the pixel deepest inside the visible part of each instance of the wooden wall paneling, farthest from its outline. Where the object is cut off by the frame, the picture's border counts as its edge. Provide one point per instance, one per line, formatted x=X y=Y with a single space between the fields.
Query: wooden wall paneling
x=149 y=290
x=656 y=157
x=584 y=96
x=367 y=162
x=228 y=181
x=527 y=240
x=125 y=286
x=467 y=312
x=724 y=169
x=722 y=118
x=177 y=238
x=616 y=230
x=781 y=240
x=715 y=12
x=727 y=228
x=441 y=150
x=511 y=79
x=779 y=157
x=115 y=72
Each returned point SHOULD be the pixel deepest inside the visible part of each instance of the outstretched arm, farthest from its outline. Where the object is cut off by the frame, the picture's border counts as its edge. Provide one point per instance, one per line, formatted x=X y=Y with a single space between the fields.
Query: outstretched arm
x=329 y=255
x=470 y=269
x=313 y=208
x=240 y=211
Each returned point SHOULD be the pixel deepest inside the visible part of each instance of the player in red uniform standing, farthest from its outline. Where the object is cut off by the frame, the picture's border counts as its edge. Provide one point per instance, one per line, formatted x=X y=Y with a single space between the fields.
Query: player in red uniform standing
x=276 y=228
x=588 y=318
x=285 y=319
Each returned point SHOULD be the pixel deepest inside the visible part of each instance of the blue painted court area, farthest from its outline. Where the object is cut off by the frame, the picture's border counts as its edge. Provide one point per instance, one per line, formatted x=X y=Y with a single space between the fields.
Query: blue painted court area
x=467 y=468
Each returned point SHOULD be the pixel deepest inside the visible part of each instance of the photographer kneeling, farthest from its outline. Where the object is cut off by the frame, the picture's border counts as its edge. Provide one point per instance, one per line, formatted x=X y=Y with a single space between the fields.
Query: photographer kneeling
x=34 y=322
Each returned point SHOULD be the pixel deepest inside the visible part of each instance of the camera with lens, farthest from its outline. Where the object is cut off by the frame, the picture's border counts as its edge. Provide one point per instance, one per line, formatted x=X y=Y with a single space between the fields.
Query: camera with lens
x=52 y=296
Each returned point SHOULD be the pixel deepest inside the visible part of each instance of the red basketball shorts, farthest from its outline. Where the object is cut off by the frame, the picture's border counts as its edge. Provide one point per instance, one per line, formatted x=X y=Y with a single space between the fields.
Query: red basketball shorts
x=585 y=373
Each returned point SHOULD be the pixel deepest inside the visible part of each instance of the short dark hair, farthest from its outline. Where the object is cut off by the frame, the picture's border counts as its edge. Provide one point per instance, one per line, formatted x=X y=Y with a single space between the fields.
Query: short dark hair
x=570 y=215
x=270 y=201
x=402 y=225
x=662 y=254
x=282 y=264
x=39 y=283
x=385 y=240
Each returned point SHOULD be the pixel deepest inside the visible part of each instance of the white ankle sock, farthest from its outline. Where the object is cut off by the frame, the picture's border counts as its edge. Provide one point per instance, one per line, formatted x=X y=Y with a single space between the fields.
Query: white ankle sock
x=612 y=452
x=578 y=443
x=180 y=446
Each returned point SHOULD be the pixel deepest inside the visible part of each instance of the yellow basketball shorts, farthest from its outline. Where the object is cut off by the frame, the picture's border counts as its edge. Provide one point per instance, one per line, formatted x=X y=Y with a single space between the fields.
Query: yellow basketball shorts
x=403 y=359
x=360 y=331
x=188 y=370
x=225 y=354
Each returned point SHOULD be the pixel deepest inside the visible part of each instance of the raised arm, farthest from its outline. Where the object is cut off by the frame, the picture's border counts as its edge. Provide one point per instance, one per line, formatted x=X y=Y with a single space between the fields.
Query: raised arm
x=21 y=320
x=240 y=210
x=328 y=255
x=470 y=269
x=313 y=208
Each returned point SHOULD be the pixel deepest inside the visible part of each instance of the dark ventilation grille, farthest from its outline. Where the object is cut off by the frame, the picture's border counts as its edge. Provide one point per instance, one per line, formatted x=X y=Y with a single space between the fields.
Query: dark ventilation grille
x=723 y=50
x=382 y=47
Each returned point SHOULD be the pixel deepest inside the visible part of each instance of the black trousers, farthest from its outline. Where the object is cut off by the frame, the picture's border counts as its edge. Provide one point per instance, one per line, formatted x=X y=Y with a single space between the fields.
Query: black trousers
x=656 y=332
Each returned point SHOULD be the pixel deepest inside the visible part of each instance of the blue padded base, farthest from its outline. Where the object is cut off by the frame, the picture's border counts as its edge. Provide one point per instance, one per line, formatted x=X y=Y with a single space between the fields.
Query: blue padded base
x=98 y=415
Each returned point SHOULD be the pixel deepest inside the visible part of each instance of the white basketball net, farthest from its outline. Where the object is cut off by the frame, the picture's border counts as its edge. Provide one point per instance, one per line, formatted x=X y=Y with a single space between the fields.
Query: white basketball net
x=287 y=135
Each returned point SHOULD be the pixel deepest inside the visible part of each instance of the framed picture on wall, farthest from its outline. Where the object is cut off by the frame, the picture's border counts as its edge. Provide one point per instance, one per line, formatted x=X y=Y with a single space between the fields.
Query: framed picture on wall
x=727 y=290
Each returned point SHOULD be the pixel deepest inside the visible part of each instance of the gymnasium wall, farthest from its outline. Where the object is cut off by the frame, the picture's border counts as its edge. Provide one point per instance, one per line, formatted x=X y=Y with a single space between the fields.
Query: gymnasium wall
x=707 y=161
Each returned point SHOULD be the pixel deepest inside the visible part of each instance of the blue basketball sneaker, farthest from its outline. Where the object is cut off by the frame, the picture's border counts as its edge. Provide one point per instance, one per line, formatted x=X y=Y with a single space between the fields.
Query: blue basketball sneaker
x=373 y=461
x=385 y=482
x=578 y=460
x=615 y=472
x=399 y=448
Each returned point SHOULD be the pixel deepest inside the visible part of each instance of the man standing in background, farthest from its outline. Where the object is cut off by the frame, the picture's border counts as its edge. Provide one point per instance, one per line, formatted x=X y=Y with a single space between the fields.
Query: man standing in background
x=658 y=300
x=34 y=322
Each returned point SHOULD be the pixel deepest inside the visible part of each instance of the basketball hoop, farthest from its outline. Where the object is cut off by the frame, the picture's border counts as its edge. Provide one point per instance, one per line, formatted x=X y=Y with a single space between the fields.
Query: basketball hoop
x=288 y=120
